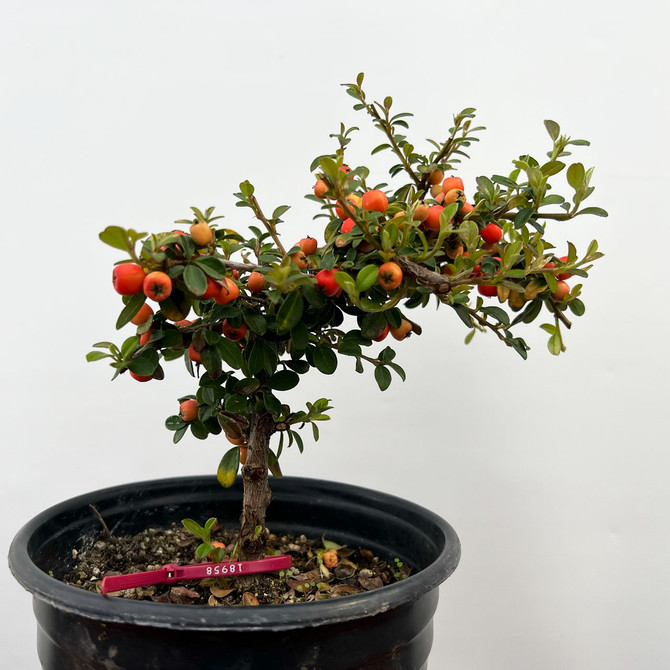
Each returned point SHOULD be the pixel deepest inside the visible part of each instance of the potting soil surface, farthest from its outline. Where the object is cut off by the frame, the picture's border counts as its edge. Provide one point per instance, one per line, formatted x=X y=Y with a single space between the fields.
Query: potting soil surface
x=356 y=569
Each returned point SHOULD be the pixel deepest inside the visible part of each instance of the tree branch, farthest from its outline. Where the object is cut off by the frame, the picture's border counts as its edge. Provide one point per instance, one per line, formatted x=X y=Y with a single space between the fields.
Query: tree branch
x=258 y=212
x=437 y=283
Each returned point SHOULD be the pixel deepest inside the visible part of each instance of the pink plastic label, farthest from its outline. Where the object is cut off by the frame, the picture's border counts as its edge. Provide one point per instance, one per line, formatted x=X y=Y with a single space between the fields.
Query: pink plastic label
x=170 y=573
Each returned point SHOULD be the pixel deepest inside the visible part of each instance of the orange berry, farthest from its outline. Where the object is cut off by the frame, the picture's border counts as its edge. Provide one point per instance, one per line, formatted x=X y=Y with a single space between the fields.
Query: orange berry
x=435 y=177
x=454 y=195
x=143 y=315
x=320 y=188
x=256 y=282
x=375 y=201
x=229 y=292
x=188 y=410
x=201 y=233
x=330 y=558
x=452 y=182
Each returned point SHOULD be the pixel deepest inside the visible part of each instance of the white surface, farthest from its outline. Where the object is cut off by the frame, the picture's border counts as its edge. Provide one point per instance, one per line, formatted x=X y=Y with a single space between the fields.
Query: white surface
x=554 y=472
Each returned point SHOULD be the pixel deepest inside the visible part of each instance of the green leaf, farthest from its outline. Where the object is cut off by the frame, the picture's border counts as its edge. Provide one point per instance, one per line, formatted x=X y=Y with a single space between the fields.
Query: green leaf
x=486 y=188
x=325 y=360
x=97 y=355
x=178 y=434
x=196 y=529
x=366 y=278
x=382 y=377
x=106 y=345
x=227 y=470
x=446 y=216
x=212 y=338
x=188 y=245
x=314 y=297
x=145 y=363
x=290 y=312
x=212 y=266
x=386 y=355
x=576 y=174
x=256 y=358
x=128 y=347
x=195 y=280
x=236 y=403
x=519 y=346
x=247 y=188
x=330 y=167
x=553 y=129
x=282 y=209
x=577 y=307
x=379 y=148
x=347 y=282
x=398 y=370
x=203 y=550
x=531 y=311
x=555 y=343
x=349 y=348
x=283 y=380
x=211 y=360
x=256 y=322
x=174 y=422
x=535 y=177
x=497 y=313
x=272 y=404
x=246 y=386
x=299 y=339
x=469 y=232
x=114 y=236
x=522 y=217
x=230 y=352
x=596 y=211
x=551 y=168
x=553 y=199
x=372 y=325
x=301 y=367
x=198 y=430
x=273 y=464
x=120 y=238
x=132 y=307
x=504 y=181
x=463 y=314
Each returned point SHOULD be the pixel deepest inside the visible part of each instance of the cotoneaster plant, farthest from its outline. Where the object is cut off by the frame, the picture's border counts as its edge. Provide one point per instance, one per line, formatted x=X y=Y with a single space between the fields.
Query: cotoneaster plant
x=249 y=315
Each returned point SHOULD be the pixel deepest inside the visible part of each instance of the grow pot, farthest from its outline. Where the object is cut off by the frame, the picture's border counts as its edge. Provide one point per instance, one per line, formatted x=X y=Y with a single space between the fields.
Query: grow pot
x=385 y=629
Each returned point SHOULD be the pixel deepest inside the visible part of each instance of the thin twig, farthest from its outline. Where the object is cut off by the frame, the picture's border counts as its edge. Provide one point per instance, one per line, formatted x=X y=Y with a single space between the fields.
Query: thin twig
x=268 y=226
x=105 y=528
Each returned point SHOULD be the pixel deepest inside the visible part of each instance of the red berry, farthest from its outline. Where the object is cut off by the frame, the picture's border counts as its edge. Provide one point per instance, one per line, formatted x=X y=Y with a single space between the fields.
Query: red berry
x=327 y=282
x=375 y=201
x=140 y=378
x=491 y=233
x=488 y=291
x=128 y=278
x=188 y=410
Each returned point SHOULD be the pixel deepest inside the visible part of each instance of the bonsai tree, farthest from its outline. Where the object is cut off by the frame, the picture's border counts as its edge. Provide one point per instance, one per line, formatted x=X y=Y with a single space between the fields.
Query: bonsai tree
x=249 y=315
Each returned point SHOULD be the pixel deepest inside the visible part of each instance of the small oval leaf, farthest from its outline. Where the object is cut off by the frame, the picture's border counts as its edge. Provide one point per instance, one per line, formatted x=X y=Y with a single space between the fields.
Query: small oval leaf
x=227 y=470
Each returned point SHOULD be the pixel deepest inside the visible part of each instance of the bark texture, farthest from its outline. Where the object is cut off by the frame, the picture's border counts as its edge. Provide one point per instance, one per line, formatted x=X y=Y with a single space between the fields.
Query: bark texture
x=257 y=494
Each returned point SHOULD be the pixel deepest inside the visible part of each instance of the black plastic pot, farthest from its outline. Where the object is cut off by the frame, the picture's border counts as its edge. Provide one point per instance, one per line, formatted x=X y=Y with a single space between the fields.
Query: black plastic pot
x=386 y=629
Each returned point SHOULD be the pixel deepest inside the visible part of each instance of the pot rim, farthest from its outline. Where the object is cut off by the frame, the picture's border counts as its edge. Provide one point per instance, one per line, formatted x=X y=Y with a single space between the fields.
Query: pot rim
x=205 y=618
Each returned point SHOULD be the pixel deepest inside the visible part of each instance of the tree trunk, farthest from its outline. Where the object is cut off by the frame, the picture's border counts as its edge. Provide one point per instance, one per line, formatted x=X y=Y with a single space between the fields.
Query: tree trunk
x=257 y=495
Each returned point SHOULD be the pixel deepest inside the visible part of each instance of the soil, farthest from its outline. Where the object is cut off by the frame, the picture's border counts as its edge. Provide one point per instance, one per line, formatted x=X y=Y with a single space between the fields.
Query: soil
x=357 y=569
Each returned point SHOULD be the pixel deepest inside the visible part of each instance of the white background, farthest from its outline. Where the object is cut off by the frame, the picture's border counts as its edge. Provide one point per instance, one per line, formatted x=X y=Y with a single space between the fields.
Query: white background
x=554 y=471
